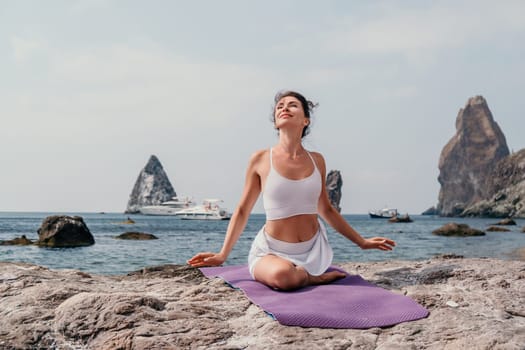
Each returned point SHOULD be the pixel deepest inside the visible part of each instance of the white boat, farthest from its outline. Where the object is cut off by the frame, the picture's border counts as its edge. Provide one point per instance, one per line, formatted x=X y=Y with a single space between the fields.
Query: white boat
x=170 y=207
x=209 y=210
x=385 y=213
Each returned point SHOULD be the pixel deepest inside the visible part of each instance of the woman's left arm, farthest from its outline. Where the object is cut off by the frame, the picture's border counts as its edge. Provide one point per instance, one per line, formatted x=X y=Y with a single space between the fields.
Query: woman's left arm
x=336 y=220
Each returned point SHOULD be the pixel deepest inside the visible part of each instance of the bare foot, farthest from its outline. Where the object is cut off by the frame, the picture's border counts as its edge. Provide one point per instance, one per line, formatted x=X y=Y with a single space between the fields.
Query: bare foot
x=326 y=277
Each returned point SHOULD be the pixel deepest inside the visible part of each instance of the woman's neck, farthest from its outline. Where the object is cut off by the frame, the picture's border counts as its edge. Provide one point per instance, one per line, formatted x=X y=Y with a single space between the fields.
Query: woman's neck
x=290 y=145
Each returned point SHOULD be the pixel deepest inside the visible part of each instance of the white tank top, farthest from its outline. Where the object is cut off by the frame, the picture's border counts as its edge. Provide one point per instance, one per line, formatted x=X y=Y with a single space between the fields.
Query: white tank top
x=283 y=197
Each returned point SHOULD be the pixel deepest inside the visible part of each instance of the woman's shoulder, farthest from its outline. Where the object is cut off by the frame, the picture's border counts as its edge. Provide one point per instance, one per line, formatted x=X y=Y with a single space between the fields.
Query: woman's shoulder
x=259 y=156
x=317 y=156
x=259 y=162
x=261 y=152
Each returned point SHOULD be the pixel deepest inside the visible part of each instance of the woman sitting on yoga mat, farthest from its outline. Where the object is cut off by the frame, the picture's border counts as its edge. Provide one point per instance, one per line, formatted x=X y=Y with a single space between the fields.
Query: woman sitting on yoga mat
x=291 y=250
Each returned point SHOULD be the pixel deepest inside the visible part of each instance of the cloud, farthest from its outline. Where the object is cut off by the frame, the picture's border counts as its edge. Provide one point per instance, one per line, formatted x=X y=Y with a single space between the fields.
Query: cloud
x=23 y=49
x=410 y=31
x=117 y=83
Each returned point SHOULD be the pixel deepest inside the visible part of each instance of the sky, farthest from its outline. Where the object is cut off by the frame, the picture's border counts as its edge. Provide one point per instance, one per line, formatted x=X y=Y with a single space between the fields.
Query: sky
x=89 y=90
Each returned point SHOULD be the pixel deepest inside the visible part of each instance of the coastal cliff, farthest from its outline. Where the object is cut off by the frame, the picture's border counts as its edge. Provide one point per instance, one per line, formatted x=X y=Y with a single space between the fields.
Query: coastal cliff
x=473 y=304
x=506 y=188
x=151 y=188
x=467 y=159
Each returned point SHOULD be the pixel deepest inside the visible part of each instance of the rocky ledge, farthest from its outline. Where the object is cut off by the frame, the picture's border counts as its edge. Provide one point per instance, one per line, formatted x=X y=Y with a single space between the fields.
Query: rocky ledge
x=473 y=303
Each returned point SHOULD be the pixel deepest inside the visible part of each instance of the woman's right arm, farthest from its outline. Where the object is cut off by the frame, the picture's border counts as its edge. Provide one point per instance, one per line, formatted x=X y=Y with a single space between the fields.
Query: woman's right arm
x=252 y=189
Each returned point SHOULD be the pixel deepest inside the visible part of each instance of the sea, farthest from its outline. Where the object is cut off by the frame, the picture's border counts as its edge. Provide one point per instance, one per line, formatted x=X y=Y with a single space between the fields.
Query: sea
x=178 y=240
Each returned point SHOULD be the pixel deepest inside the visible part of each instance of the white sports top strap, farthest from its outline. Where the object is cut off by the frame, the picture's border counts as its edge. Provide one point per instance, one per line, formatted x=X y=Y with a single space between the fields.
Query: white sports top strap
x=312 y=158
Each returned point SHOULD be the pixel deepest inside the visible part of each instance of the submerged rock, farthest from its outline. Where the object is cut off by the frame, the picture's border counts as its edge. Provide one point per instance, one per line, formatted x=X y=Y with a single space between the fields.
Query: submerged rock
x=63 y=231
x=128 y=221
x=467 y=159
x=151 y=188
x=460 y=230
x=23 y=240
x=136 y=236
x=497 y=229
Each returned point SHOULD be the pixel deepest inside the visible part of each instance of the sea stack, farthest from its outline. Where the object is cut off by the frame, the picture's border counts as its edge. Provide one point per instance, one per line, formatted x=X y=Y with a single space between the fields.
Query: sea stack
x=468 y=158
x=334 y=182
x=151 y=188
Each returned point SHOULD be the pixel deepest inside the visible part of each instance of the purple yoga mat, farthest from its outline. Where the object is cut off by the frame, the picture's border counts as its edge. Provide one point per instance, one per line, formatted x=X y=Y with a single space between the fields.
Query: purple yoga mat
x=350 y=302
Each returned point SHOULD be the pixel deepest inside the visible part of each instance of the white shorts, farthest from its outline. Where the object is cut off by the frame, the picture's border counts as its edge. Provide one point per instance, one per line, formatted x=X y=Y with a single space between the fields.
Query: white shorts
x=314 y=255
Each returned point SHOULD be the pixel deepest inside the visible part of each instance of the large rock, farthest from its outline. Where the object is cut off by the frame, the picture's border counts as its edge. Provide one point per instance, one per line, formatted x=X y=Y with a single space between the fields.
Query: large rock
x=473 y=304
x=468 y=157
x=63 y=231
x=334 y=183
x=506 y=190
x=460 y=230
x=151 y=188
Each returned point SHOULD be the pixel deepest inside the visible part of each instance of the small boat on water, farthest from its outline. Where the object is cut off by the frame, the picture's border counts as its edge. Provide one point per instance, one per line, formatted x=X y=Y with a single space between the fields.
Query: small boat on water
x=170 y=207
x=385 y=213
x=209 y=210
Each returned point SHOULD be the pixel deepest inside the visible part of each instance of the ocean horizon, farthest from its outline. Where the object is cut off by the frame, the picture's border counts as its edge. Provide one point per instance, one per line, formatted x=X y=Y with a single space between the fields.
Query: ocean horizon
x=178 y=240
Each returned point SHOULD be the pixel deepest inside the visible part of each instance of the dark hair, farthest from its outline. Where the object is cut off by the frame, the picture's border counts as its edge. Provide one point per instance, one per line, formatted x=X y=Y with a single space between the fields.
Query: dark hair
x=308 y=106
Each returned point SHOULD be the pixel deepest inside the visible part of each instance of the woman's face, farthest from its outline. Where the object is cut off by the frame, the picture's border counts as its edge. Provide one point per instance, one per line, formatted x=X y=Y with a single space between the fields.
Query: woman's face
x=289 y=112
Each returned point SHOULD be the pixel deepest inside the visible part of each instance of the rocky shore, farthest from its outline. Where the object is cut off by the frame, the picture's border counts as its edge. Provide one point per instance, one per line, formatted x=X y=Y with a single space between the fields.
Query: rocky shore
x=473 y=303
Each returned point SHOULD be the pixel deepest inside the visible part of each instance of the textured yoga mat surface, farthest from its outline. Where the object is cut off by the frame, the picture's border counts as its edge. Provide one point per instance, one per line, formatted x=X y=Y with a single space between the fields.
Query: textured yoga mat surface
x=350 y=302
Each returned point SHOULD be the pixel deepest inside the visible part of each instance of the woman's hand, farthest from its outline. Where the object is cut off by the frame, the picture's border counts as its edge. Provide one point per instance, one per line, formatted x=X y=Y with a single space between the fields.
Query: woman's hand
x=206 y=259
x=380 y=243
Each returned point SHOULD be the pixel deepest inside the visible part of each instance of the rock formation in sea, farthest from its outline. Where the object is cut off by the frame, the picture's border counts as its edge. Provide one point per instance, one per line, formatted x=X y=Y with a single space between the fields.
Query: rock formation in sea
x=473 y=304
x=334 y=183
x=459 y=230
x=468 y=158
x=61 y=231
x=505 y=188
x=430 y=211
x=151 y=188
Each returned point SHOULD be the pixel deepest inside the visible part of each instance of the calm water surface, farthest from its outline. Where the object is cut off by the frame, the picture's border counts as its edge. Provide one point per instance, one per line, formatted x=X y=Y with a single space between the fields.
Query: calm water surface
x=180 y=239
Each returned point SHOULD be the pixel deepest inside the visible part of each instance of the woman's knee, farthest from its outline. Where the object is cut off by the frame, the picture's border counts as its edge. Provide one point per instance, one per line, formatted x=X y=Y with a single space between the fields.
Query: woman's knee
x=285 y=277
